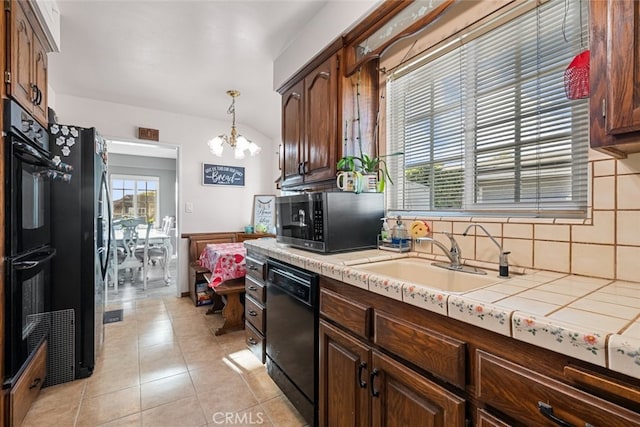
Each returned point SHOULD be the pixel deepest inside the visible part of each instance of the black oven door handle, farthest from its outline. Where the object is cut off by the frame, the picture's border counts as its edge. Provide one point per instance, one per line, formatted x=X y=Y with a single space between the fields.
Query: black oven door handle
x=28 y=265
x=37 y=159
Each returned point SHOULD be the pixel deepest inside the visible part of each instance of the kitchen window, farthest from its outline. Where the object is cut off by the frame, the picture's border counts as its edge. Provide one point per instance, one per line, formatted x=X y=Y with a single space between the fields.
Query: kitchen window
x=135 y=196
x=485 y=124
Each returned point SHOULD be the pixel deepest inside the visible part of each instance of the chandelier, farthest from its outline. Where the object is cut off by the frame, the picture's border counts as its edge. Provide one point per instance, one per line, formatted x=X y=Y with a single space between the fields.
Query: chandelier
x=239 y=143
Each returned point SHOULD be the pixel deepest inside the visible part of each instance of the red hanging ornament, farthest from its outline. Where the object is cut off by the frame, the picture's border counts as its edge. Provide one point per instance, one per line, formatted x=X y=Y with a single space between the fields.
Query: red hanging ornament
x=576 y=77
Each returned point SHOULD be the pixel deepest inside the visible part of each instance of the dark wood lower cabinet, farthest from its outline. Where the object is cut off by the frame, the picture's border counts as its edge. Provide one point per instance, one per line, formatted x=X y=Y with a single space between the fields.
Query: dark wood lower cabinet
x=386 y=363
x=360 y=386
x=535 y=399
x=403 y=397
x=344 y=379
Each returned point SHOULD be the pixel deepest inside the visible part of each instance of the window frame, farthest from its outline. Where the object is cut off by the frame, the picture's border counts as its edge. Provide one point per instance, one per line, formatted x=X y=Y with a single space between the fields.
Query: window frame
x=575 y=208
x=136 y=179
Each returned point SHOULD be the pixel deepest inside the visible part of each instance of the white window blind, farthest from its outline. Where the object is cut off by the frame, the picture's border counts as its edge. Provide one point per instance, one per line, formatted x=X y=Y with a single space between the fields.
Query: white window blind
x=486 y=127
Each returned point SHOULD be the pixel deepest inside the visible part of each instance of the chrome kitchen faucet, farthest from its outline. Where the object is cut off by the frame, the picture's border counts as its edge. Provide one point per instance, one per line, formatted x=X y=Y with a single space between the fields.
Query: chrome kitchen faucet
x=454 y=254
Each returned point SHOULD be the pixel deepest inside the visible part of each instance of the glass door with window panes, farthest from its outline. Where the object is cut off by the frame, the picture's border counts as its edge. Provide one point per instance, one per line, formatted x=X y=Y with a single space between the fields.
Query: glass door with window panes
x=135 y=197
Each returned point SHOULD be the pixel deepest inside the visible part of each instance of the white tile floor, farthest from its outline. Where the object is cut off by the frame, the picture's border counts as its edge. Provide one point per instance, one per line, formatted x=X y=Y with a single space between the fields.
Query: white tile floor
x=163 y=366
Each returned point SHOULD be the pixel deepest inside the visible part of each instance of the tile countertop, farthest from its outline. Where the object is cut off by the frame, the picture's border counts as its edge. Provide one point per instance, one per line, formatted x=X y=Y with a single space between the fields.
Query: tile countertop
x=595 y=320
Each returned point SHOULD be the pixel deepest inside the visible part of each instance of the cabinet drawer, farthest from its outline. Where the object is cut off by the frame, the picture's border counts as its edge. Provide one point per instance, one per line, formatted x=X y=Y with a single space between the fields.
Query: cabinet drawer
x=254 y=289
x=441 y=355
x=254 y=313
x=534 y=399
x=26 y=389
x=255 y=341
x=348 y=314
x=256 y=267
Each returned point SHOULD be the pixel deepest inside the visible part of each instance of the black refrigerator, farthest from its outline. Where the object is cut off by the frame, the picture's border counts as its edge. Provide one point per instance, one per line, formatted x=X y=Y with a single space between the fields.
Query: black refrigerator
x=80 y=224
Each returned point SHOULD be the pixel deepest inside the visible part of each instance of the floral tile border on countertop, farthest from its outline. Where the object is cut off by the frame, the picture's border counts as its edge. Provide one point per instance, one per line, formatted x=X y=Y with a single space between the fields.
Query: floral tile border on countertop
x=513 y=307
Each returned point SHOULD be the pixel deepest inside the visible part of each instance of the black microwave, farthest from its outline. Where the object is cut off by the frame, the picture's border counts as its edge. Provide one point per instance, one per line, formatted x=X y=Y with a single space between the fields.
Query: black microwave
x=329 y=221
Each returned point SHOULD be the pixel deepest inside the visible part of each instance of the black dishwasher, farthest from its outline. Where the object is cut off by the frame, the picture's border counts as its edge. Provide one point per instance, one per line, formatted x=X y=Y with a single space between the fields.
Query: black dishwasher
x=292 y=335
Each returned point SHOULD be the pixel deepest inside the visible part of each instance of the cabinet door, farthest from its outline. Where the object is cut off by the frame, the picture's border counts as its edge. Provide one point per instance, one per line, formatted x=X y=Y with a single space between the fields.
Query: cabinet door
x=292 y=135
x=344 y=382
x=402 y=397
x=21 y=57
x=615 y=76
x=624 y=72
x=321 y=117
x=40 y=80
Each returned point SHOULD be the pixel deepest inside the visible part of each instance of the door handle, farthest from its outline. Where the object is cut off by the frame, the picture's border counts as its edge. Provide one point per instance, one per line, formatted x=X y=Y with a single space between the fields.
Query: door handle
x=547 y=411
x=361 y=368
x=372 y=376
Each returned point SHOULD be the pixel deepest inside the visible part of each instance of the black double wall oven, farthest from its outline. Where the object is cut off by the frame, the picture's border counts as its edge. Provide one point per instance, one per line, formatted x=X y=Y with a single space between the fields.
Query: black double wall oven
x=29 y=170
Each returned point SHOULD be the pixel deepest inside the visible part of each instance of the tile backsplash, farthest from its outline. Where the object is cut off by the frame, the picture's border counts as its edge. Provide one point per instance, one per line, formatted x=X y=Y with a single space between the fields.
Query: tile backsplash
x=606 y=244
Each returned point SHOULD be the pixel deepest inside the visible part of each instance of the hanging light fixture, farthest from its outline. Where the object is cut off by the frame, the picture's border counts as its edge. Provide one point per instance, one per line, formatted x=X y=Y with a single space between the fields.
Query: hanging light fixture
x=239 y=143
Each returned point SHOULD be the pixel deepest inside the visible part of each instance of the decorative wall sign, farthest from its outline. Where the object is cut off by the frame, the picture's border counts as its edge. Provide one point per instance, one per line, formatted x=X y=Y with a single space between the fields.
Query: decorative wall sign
x=222 y=175
x=264 y=213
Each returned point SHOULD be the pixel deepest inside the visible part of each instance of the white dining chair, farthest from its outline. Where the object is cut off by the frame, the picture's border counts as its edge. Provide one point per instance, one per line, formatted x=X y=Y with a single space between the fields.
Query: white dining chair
x=151 y=253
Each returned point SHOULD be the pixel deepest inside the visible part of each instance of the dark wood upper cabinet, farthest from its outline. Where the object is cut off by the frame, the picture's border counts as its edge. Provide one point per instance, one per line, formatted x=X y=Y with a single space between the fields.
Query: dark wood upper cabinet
x=615 y=76
x=26 y=78
x=292 y=135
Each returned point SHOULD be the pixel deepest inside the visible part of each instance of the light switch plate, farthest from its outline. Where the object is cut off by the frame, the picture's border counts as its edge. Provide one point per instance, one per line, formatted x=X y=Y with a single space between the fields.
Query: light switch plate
x=188 y=207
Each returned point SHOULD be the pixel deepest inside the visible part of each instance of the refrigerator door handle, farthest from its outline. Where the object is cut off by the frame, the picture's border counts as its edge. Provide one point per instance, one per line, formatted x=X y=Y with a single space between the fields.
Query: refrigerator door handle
x=105 y=261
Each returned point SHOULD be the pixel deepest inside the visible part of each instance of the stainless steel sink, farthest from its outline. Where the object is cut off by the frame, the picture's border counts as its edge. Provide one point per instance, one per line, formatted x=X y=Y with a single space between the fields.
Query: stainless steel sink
x=420 y=271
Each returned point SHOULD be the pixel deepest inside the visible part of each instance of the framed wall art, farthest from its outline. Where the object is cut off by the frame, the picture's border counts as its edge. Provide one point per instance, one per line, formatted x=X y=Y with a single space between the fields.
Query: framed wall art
x=264 y=213
x=222 y=175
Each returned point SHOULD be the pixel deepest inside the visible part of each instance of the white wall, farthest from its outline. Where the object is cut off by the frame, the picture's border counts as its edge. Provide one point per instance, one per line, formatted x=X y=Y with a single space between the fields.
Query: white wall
x=333 y=20
x=215 y=208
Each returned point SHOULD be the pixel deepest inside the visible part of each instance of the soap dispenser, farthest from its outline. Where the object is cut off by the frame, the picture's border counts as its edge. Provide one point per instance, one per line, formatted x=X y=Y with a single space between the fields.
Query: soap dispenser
x=385 y=233
x=399 y=234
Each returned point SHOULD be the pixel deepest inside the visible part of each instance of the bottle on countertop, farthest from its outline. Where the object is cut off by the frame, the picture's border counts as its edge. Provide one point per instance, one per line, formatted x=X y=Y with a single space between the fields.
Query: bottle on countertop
x=399 y=233
x=385 y=233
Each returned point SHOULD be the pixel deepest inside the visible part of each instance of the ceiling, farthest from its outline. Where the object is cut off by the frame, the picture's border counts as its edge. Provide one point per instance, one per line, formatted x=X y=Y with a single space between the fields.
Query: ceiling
x=179 y=55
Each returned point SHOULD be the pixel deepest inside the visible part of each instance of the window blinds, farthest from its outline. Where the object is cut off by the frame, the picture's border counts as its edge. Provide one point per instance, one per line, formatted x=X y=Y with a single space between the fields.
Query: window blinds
x=486 y=127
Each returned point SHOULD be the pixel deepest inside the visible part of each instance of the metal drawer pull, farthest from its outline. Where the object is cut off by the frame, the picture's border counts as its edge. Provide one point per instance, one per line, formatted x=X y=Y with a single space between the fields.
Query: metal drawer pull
x=252 y=288
x=253 y=267
x=252 y=313
x=252 y=341
x=374 y=392
x=35 y=383
x=547 y=410
x=361 y=367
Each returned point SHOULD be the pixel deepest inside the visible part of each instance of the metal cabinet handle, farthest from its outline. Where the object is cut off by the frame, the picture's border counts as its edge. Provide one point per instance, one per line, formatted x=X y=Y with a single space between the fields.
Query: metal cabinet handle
x=547 y=411
x=251 y=341
x=361 y=368
x=34 y=93
x=252 y=288
x=372 y=376
x=252 y=313
x=253 y=267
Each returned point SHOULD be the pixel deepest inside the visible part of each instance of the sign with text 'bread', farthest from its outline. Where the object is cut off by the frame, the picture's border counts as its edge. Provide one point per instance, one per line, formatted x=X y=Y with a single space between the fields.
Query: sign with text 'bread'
x=222 y=175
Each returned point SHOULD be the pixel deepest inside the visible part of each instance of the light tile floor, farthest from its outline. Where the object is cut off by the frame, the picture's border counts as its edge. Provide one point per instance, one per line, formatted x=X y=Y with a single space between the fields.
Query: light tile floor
x=162 y=366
